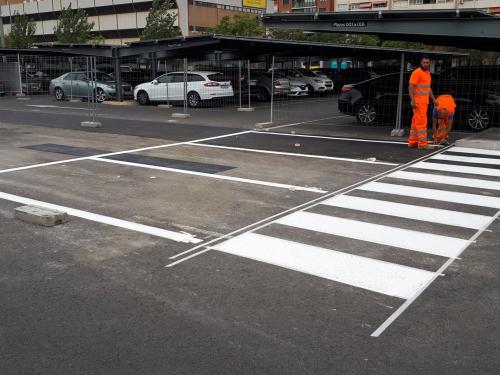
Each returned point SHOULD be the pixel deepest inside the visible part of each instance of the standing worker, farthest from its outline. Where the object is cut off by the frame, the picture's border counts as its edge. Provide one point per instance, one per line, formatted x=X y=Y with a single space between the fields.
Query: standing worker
x=420 y=91
x=442 y=118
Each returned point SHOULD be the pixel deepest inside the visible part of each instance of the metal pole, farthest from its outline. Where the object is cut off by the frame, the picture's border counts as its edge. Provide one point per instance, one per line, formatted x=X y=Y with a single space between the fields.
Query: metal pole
x=185 y=86
x=19 y=74
x=239 y=80
x=397 y=131
x=272 y=90
x=88 y=88
x=71 y=81
x=118 y=76
x=168 y=99
x=94 y=68
x=248 y=82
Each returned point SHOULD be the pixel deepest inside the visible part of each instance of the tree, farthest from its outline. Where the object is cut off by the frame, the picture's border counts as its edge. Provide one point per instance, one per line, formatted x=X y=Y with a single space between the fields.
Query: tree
x=239 y=26
x=21 y=33
x=73 y=26
x=160 y=23
x=351 y=39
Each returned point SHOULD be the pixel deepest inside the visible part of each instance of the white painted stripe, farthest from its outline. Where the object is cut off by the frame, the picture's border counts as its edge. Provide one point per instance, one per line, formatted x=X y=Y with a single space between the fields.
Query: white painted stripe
x=56 y=106
x=158 y=232
x=457 y=168
x=380 y=234
x=371 y=274
x=448 y=180
x=333 y=138
x=466 y=159
x=376 y=233
x=468 y=150
x=440 y=195
x=291 y=154
x=214 y=176
x=407 y=211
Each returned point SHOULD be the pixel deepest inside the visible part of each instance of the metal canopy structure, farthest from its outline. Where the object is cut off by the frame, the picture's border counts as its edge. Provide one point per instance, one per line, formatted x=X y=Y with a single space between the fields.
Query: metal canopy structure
x=464 y=28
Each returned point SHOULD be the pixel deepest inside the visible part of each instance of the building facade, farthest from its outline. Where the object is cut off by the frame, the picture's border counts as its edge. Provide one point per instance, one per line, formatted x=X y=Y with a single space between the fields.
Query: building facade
x=122 y=21
x=316 y=6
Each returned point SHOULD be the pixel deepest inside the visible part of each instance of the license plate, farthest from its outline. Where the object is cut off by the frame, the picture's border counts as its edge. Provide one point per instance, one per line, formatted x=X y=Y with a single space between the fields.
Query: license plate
x=224 y=86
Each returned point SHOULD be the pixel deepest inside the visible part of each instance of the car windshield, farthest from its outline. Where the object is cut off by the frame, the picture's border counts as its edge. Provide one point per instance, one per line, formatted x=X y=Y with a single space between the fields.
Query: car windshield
x=308 y=73
x=217 y=77
x=104 y=77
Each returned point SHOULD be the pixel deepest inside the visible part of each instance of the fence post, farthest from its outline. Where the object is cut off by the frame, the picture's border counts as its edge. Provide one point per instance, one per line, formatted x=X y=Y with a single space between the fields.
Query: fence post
x=184 y=114
x=241 y=108
x=272 y=90
x=91 y=94
x=118 y=77
x=397 y=131
x=239 y=81
x=20 y=94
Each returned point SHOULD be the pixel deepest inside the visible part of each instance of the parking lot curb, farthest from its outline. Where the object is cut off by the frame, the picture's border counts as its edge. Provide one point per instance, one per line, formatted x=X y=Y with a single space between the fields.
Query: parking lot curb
x=40 y=216
x=124 y=103
x=181 y=115
x=91 y=124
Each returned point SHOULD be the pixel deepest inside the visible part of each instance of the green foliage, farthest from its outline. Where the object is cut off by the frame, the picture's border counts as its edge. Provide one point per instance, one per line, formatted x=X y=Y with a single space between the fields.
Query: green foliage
x=160 y=23
x=365 y=40
x=73 y=26
x=404 y=45
x=239 y=26
x=21 y=33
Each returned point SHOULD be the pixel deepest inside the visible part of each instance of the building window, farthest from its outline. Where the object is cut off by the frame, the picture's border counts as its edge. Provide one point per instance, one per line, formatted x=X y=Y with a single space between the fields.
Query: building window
x=286 y=2
x=322 y=10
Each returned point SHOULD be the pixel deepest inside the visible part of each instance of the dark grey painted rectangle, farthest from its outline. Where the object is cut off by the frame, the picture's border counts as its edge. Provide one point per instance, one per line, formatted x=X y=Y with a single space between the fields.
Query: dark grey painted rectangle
x=67 y=150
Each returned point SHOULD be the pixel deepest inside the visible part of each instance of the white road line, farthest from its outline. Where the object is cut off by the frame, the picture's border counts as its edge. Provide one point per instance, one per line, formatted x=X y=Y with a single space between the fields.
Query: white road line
x=466 y=159
x=333 y=138
x=214 y=176
x=437 y=274
x=440 y=195
x=448 y=180
x=291 y=154
x=458 y=168
x=467 y=150
x=55 y=106
x=381 y=234
x=312 y=203
x=371 y=274
x=158 y=232
x=407 y=211
x=305 y=122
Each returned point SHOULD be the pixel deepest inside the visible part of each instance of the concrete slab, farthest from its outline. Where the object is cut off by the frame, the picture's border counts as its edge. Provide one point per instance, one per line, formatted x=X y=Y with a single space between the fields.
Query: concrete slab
x=488 y=139
x=41 y=216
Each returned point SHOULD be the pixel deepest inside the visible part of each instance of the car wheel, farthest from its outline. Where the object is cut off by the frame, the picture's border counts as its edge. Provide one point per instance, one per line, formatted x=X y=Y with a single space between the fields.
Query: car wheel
x=366 y=114
x=143 y=98
x=59 y=93
x=478 y=119
x=193 y=99
x=263 y=95
x=100 y=95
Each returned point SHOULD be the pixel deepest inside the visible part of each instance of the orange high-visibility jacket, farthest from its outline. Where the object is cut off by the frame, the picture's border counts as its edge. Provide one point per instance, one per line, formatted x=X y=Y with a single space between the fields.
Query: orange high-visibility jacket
x=421 y=80
x=446 y=102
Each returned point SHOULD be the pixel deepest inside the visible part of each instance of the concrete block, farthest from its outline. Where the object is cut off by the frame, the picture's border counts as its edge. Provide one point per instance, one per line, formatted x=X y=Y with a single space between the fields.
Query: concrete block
x=181 y=115
x=91 y=124
x=41 y=216
x=245 y=109
x=165 y=106
x=397 y=132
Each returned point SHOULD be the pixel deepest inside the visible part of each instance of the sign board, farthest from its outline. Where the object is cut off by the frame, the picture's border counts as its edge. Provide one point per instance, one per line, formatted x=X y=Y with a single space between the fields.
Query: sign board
x=261 y=4
x=343 y=24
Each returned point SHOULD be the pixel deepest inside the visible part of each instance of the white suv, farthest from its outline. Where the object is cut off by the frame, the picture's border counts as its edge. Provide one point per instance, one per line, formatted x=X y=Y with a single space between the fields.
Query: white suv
x=170 y=87
x=315 y=82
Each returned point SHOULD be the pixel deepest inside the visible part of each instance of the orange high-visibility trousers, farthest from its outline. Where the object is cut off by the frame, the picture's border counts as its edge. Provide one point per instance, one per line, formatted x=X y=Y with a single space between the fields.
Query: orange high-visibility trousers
x=418 y=131
x=441 y=131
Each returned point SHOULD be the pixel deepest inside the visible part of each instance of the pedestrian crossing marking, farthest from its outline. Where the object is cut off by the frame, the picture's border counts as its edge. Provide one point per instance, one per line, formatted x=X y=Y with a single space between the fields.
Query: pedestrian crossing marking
x=371 y=274
x=407 y=211
x=440 y=195
x=449 y=180
x=381 y=234
x=467 y=150
x=457 y=168
x=466 y=159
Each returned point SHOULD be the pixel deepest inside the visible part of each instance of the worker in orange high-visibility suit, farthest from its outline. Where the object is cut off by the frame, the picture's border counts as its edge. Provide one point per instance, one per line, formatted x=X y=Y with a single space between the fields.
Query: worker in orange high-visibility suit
x=442 y=118
x=420 y=91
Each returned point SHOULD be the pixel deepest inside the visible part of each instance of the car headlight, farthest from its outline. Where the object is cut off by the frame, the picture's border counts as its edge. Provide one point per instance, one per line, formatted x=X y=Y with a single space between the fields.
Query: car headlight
x=318 y=80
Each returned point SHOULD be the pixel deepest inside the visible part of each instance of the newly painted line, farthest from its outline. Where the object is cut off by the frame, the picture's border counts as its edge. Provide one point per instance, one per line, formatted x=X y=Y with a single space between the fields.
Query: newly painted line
x=381 y=234
x=312 y=203
x=214 y=176
x=466 y=159
x=306 y=122
x=291 y=154
x=447 y=180
x=440 y=195
x=371 y=274
x=407 y=211
x=334 y=138
x=55 y=106
x=468 y=150
x=158 y=232
x=458 y=169
x=437 y=274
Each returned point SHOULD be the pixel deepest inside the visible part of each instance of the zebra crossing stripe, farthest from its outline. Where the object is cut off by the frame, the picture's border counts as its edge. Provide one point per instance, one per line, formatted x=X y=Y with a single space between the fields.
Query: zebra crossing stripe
x=466 y=159
x=429 y=214
x=381 y=234
x=467 y=150
x=371 y=274
x=440 y=195
x=457 y=168
x=448 y=180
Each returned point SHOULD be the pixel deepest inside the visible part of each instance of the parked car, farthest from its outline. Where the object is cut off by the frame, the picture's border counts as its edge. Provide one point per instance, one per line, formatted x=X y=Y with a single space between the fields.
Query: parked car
x=298 y=88
x=350 y=76
x=201 y=86
x=316 y=84
x=77 y=84
x=2 y=89
x=280 y=86
x=376 y=101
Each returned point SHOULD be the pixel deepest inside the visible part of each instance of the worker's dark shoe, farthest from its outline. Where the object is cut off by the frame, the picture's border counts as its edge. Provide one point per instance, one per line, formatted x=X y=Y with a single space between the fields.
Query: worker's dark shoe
x=412 y=145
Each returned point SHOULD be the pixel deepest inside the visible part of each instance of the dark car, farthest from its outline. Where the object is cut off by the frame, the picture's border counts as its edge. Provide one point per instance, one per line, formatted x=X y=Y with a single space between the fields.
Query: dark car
x=350 y=76
x=375 y=101
x=2 y=89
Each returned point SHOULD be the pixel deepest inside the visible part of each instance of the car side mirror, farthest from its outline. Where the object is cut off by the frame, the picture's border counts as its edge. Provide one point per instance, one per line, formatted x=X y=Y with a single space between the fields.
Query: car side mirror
x=155 y=82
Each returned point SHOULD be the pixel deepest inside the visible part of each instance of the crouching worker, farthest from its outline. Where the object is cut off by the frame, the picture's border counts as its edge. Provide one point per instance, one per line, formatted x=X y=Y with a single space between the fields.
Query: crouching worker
x=442 y=118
